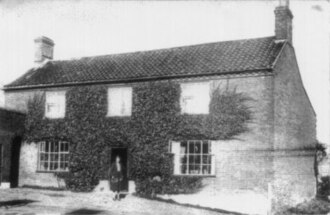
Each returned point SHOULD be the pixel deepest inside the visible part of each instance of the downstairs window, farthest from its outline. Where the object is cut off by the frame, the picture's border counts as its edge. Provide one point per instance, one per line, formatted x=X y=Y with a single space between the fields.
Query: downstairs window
x=53 y=156
x=193 y=157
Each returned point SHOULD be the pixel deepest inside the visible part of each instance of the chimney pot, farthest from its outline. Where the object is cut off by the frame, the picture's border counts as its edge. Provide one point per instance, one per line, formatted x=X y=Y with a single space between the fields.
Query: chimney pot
x=283 y=21
x=44 y=49
x=284 y=3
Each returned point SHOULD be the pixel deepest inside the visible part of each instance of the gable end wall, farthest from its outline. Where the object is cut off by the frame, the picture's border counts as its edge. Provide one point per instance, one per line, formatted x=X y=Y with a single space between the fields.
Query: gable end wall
x=294 y=135
x=295 y=119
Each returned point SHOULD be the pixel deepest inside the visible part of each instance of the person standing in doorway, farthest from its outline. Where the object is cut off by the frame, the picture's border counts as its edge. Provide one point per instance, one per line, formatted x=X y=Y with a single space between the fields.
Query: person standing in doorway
x=116 y=177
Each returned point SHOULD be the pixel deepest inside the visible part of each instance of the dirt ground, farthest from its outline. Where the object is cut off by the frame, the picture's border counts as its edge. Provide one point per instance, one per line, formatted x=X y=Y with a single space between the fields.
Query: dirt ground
x=36 y=202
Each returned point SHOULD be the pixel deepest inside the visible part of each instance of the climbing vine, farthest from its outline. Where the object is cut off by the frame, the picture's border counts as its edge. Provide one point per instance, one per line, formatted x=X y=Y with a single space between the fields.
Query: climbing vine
x=155 y=120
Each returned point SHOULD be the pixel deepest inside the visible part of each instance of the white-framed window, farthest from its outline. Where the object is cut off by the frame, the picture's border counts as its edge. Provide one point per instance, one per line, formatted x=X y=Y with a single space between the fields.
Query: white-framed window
x=55 y=104
x=119 y=101
x=195 y=98
x=193 y=157
x=53 y=156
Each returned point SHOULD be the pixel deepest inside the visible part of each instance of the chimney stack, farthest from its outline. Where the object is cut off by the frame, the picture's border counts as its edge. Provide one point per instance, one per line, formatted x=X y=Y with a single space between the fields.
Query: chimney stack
x=283 y=21
x=44 y=49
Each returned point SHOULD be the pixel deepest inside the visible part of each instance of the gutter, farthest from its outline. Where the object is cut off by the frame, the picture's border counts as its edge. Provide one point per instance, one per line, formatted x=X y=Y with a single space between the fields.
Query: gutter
x=130 y=80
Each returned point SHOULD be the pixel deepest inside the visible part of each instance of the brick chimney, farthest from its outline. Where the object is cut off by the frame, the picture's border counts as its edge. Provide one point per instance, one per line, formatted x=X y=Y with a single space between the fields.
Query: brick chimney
x=283 y=21
x=44 y=49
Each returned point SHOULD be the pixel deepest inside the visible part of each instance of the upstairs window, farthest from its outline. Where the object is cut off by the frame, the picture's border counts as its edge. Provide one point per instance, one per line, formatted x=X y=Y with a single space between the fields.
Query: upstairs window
x=195 y=98
x=120 y=101
x=55 y=104
x=53 y=156
x=193 y=157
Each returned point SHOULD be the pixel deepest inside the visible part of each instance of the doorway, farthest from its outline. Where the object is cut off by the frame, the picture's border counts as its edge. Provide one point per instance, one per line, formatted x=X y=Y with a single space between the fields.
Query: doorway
x=122 y=153
x=0 y=163
x=14 y=167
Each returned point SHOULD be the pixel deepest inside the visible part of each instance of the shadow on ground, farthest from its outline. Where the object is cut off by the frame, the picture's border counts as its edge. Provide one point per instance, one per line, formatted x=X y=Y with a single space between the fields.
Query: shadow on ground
x=16 y=203
x=122 y=196
x=55 y=195
x=84 y=211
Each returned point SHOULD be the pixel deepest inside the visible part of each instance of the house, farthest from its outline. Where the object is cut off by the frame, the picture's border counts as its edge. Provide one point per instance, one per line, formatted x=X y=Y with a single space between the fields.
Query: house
x=274 y=155
x=11 y=131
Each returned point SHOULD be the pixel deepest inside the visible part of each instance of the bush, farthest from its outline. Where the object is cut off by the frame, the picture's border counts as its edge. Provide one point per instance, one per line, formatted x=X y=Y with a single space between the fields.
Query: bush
x=310 y=207
x=323 y=188
x=170 y=185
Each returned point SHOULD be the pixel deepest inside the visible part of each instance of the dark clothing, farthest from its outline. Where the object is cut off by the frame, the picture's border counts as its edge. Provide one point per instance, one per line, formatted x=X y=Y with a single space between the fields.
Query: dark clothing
x=115 y=177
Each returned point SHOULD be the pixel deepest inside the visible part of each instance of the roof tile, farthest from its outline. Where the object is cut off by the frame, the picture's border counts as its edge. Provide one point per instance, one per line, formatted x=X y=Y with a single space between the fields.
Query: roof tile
x=211 y=58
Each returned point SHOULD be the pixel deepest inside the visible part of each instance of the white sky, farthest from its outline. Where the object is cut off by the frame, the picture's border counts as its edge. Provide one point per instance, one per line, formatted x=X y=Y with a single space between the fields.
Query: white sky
x=86 y=28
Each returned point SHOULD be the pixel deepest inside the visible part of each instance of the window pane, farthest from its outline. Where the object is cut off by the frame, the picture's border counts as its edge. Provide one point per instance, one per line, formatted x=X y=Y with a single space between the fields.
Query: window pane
x=51 y=166
x=44 y=166
x=191 y=147
x=197 y=147
x=56 y=146
x=41 y=165
x=63 y=158
x=52 y=157
x=51 y=146
x=206 y=159
x=183 y=169
x=191 y=159
x=47 y=146
x=197 y=169
x=183 y=159
x=64 y=147
x=197 y=159
x=206 y=169
x=205 y=147
x=56 y=166
x=42 y=146
x=66 y=166
x=62 y=166
x=183 y=147
x=191 y=169
x=42 y=157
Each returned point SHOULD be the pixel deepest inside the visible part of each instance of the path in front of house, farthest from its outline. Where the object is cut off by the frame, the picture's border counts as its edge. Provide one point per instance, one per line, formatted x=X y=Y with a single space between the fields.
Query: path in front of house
x=34 y=202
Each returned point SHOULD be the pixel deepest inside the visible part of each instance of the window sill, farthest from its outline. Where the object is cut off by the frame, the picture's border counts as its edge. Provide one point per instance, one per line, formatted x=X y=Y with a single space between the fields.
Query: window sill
x=118 y=116
x=53 y=118
x=195 y=175
x=189 y=114
x=44 y=171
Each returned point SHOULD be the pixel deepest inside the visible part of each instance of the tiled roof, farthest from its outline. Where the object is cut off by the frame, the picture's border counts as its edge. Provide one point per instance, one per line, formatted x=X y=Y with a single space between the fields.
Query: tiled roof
x=205 y=59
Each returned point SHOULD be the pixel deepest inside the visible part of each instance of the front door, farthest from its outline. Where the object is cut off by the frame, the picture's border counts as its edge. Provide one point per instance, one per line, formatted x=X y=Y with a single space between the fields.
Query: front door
x=122 y=153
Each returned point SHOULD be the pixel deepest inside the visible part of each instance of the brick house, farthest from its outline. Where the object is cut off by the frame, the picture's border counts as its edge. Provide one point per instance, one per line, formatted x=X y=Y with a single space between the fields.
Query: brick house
x=277 y=150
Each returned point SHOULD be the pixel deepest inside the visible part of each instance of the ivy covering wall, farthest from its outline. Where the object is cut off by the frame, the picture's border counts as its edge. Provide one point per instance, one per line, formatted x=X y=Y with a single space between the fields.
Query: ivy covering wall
x=155 y=120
